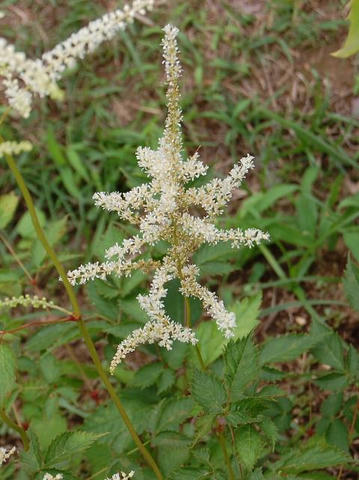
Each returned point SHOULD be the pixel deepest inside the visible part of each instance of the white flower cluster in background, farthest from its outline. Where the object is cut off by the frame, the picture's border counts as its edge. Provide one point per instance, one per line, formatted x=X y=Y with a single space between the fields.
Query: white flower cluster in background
x=5 y=454
x=164 y=209
x=22 y=77
x=14 y=148
x=121 y=476
x=48 y=476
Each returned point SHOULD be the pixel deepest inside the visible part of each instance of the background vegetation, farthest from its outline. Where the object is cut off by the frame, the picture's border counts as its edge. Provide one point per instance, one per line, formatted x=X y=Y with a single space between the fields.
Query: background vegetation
x=259 y=77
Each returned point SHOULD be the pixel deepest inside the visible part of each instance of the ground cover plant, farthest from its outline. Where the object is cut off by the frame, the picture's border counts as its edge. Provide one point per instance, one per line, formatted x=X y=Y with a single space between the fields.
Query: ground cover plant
x=169 y=353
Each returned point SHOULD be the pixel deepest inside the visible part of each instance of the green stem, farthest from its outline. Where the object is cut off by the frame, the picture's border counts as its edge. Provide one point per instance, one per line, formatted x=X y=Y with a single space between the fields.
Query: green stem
x=227 y=460
x=17 y=428
x=187 y=321
x=77 y=315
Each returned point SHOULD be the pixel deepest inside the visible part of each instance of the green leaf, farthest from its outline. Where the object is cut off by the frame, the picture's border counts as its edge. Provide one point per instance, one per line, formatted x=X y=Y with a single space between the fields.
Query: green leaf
x=66 y=446
x=208 y=392
x=147 y=375
x=313 y=455
x=48 y=427
x=250 y=445
x=285 y=348
x=332 y=404
x=241 y=366
x=351 y=44
x=247 y=313
x=337 y=435
x=8 y=204
x=351 y=240
x=330 y=352
x=25 y=227
x=7 y=371
x=171 y=458
x=351 y=284
x=173 y=413
x=166 y=380
x=332 y=381
x=212 y=341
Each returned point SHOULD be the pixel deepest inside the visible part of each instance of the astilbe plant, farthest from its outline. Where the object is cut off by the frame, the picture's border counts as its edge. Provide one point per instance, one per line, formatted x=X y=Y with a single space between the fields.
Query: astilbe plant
x=162 y=210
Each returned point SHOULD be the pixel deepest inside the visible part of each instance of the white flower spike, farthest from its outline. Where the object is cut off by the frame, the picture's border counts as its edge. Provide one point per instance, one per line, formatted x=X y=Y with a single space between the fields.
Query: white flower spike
x=22 y=77
x=121 y=476
x=163 y=210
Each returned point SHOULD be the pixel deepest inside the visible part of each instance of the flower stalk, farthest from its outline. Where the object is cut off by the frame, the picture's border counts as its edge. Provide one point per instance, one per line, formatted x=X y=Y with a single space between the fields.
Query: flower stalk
x=77 y=316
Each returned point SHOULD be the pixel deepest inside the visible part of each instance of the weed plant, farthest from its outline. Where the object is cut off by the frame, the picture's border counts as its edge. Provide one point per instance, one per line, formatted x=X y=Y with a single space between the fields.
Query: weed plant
x=200 y=386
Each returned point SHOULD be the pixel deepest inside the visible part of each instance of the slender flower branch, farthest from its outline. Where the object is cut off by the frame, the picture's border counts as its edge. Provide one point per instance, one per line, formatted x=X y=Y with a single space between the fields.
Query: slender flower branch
x=17 y=428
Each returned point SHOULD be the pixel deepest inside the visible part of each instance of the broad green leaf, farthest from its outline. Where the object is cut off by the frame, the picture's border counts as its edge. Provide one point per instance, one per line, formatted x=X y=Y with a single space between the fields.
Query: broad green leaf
x=285 y=348
x=166 y=380
x=247 y=313
x=332 y=404
x=208 y=392
x=170 y=458
x=31 y=460
x=337 y=435
x=241 y=366
x=147 y=375
x=351 y=284
x=351 y=239
x=212 y=341
x=54 y=232
x=250 y=445
x=351 y=44
x=8 y=204
x=330 y=352
x=333 y=381
x=67 y=445
x=7 y=371
x=313 y=455
x=48 y=427
x=25 y=228
x=173 y=413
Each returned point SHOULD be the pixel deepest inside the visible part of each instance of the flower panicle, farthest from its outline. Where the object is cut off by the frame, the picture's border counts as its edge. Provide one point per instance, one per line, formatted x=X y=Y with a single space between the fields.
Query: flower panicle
x=164 y=210
x=23 y=77
x=122 y=476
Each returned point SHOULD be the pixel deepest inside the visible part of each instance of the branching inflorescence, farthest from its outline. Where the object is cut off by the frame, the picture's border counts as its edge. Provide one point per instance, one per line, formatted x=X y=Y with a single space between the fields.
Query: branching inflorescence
x=23 y=77
x=163 y=210
x=5 y=454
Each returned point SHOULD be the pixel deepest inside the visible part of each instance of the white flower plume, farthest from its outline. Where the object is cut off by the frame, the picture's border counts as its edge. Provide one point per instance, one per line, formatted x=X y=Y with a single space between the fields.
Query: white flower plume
x=22 y=77
x=163 y=210
x=122 y=476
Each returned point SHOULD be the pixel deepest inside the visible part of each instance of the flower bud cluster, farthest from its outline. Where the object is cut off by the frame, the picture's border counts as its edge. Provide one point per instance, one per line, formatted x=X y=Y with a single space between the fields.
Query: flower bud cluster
x=23 y=76
x=163 y=211
x=14 y=148
x=5 y=454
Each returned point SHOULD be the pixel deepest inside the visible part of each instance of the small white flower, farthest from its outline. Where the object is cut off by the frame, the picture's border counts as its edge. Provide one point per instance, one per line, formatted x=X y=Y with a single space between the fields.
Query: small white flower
x=48 y=476
x=121 y=476
x=14 y=148
x=5 y=454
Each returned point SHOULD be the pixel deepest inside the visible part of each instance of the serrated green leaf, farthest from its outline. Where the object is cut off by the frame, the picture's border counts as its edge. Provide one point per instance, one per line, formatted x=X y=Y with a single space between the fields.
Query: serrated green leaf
x=250 y=445
x=166 y=380
x=270 y=430
x=337 y=435
x=332 y=381
x=247 y=313
x=351 y=284
x=285 y=348
x=313 y=455
x=7 y=371
x=332 y=404
x=330 y=352
x=66 y=446
x=31 y=460
x=172 y=458
x=147 y=375
x=8 y=204
x=351 y=44
x=208 y=392
x=171 y=439
x=173 y=413
x=241 y=366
